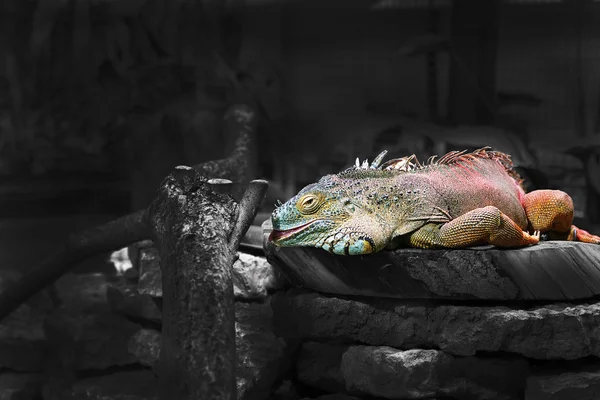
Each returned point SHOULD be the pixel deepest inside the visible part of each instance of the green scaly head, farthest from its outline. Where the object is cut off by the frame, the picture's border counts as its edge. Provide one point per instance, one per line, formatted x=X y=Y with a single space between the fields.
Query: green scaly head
x=335 y=214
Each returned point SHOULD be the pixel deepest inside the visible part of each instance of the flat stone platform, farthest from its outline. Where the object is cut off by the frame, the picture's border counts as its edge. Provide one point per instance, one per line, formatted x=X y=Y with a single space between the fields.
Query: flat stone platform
x=553 y=270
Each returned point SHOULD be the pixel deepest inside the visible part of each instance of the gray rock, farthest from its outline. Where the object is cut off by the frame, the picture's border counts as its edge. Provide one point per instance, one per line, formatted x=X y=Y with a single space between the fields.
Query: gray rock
x=553 y=270
x=145 y=344
x=42 y=302
x=261 y=357
x=150 y=282
x=254 y=277
x=548 y=332
x=285 y=391
x=131 y=385
x=22 y=340
x=84 y=292
x=486 y=378
x=132 y=275
x=318 y=366
x=124 y=298
x=95 y=293
x=15 y=386
x=133 y=252
x=392 y=374
x=86 y=334
x=385 y=372
x=312 y=316
x=557 y=331
x=7 y=278
x=90 y=341
x=566 y=386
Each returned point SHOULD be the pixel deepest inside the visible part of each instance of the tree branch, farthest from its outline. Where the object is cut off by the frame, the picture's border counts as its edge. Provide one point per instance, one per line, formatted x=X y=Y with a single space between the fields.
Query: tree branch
x=247 y=209
x=110 y=236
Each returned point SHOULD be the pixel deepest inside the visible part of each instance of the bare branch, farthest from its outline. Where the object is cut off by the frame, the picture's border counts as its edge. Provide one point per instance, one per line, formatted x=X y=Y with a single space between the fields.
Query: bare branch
x=247 y=209
x=110 y=236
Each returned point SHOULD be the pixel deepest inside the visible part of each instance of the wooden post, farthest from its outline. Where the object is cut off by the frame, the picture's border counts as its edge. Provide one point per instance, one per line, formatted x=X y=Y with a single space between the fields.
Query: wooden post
x=191 y=224
x=473 y=61
x=197 y=230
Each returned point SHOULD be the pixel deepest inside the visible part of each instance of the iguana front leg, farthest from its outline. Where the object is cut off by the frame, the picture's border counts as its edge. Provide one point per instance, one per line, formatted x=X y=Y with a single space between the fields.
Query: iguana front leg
x=551 y=211
x=487 y=224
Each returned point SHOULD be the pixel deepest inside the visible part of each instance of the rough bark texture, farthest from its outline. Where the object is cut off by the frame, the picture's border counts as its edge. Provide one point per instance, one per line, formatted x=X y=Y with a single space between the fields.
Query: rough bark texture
x=191 y=226
x=240 y=166
x=145 y=345
x=261 y=360
x=547 y=271
x=260 y=355
x=253 y=276
x=150 y=283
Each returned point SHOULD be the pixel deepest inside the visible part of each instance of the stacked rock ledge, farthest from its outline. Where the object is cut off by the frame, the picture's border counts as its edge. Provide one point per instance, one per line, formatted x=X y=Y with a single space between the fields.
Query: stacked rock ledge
x=102 y=338
x=461 y=324
x=479 y=323
x=262 y=358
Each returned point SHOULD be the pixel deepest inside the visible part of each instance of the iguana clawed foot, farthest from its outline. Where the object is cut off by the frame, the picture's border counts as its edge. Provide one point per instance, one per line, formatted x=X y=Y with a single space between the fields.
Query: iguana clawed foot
x=551 y=212
x=581 y=235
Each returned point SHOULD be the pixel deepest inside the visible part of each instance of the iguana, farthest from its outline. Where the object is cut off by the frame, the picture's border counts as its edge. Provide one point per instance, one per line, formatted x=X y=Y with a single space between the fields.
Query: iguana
x=459 y=200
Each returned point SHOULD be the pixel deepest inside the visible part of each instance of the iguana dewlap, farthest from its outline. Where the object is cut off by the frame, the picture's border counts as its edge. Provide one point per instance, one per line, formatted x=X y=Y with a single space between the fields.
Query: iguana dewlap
x=459 y=200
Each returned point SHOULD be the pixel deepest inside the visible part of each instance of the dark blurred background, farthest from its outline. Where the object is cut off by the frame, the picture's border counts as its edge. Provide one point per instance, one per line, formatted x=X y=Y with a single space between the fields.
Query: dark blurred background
x=100 y=99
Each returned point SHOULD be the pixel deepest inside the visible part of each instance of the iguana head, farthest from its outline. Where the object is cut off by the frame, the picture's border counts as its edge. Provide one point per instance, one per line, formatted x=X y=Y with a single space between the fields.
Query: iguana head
x=334 y=214
x=322 y=218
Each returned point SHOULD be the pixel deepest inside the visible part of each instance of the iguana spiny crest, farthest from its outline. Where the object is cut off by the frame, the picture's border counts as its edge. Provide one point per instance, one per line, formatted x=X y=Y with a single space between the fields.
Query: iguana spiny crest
x=360 y=210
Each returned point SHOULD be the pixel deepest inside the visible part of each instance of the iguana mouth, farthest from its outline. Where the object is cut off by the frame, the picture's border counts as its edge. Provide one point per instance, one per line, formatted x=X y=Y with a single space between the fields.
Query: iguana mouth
x=277 y=235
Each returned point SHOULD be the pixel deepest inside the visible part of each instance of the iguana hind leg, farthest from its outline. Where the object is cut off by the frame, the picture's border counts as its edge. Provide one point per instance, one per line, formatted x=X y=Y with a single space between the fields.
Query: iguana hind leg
x=487 y=224
x=551 y=211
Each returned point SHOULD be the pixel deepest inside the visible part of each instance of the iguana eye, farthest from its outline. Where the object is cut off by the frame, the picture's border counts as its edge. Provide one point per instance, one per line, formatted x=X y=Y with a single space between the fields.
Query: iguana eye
x=309 y=203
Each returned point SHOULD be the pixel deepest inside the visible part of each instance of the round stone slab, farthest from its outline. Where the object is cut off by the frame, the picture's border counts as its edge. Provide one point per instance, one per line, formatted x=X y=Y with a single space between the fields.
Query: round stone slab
x=554 y=270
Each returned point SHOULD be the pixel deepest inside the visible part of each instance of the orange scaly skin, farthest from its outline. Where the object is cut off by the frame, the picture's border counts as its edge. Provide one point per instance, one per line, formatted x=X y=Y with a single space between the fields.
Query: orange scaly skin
x=548 y=211
x=552 y=211
x=482 y=225
x=460 y=200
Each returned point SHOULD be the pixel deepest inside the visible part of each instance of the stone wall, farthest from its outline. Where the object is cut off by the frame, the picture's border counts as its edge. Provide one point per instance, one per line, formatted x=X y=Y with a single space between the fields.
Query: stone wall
x=399 y=349
x=479 y=323
x=99 y=337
